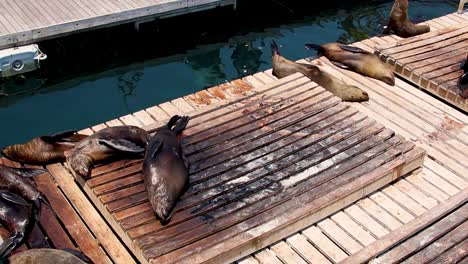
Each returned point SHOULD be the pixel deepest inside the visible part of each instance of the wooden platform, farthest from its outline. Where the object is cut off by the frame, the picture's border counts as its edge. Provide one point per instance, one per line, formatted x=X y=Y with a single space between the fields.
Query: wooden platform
x=28 y=21
x=432 y=61
x=261 y=168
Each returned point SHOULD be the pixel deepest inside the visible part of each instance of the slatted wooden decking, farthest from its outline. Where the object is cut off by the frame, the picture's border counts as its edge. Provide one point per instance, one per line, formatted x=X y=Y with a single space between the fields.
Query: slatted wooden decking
x=261 y=168
x=432 y=61
x=27 y=21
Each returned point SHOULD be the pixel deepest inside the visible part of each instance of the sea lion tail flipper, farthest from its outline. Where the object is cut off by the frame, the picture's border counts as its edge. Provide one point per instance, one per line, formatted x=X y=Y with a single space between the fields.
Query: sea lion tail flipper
x=340 y=65
x=354 y=49
x=10 y=244
x=172 y=121
x=27 y=172
x=78 y=254
x=274 y=48
x=181 y=124
x=121 y=145
x=14 y=198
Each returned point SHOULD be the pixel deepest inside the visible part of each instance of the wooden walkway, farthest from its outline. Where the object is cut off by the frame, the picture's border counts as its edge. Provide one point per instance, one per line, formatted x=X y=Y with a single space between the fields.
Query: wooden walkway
x=387 y=216
x=28 y=21
x=432 y=61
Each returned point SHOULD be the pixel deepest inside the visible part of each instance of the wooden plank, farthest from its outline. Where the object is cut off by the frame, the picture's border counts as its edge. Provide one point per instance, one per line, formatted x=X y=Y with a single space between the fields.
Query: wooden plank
x=286 y=254
x=432 y=251
x=319 y=240
x=408 y=230
x=306 y=250
x=391 y=207
x=404 y=200
x=116 y=250
x=339 y=236
x=456 y=254
x=266 y=256
x=379 y=214
x=358 y=233
x=427 y=201
x=361 y=217
x=428 y=236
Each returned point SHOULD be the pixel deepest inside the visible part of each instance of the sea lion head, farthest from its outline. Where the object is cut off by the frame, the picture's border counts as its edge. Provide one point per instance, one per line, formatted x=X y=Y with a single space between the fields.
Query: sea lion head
x=80 y=164
x=387 y=77
x=354 y=94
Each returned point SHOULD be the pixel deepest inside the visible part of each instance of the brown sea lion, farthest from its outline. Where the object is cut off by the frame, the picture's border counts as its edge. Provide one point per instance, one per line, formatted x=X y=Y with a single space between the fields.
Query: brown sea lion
x=356 y=59
x=13 y=179
x=48 y=256
x=16 y=217
x=103 y=145
x=463 y=83
x=283 y=67
x=165 y=171
x=399 y=23
x=43 y=150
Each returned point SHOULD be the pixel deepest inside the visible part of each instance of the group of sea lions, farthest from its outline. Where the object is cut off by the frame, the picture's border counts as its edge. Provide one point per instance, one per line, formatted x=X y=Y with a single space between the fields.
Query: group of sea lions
x=165 y=173
x=165 y=170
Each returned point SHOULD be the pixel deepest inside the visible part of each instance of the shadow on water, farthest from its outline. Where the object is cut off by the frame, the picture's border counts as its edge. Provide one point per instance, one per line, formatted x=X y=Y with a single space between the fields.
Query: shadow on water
x=99 y=75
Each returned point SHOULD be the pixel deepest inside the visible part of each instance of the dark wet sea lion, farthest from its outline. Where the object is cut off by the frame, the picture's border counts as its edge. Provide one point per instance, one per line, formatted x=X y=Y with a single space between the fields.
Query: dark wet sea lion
x=105 y=144
x=13 y=179
x=165 y=171
x=463 y=83
x=43 y=150
x=48 y=256
x=399 y=23
x=356 y=59
x=283 y=67
x=16 y=217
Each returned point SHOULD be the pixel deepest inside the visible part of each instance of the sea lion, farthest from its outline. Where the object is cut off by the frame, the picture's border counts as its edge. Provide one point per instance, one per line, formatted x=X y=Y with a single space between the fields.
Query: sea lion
x=283 y=67
x=16 y=217
x=105 y=144
x=49 y=255
x=13 y=179
x=399 y=23
x=463 y=83
x=43 y=150
x=356 y=59
x=165 y=171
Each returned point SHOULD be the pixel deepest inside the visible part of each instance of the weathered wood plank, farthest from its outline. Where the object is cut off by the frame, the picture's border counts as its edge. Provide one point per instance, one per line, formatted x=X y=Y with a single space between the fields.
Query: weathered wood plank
x=408 y=230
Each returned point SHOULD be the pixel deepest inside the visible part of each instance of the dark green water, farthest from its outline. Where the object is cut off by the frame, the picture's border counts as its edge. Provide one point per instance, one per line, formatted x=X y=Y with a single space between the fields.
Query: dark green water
x=96 y=76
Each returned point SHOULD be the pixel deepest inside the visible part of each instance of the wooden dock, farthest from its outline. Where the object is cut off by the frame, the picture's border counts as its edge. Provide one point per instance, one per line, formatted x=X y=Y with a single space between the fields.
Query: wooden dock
x=432 y=61
x=94 y=216
x=28 y=21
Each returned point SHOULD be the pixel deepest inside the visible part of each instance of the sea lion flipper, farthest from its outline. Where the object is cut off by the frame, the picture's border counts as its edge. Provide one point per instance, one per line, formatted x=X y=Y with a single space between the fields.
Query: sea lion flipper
x=121 y=145
x=181 y=124
x=340 y=65
x=14 y=198
x=27 y=172
x=354 y=49
x=155 y=148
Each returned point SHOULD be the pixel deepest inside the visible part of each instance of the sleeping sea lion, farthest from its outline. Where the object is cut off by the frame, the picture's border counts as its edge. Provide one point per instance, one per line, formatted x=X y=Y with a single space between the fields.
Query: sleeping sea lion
x=103 y=145
x=283 y=67
x=43 y=150
x=399 y=23
x=13 y=180
x=463 y=83
x=49 y=255
x=356 y=59
x=165 y=171
x=16 y=217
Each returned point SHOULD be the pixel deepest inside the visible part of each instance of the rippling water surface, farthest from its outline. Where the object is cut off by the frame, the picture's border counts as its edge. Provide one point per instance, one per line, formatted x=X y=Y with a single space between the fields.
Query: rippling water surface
x=96 y=76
